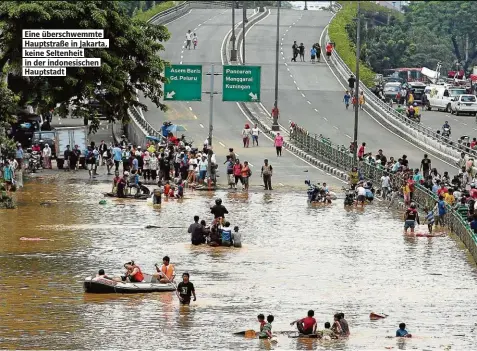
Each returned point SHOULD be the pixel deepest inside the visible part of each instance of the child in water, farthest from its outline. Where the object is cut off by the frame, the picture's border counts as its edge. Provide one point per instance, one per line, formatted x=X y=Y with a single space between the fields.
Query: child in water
x=261 y=320
x=266 y=332
x=327 y=333
x=402 y=332
x=237 y=239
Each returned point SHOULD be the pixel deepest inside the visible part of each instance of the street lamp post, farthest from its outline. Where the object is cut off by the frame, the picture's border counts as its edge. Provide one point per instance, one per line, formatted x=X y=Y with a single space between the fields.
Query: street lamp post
x=356 y=111
x=233 y=52
x=306 y=7
x=244 y=23
x=275 y=126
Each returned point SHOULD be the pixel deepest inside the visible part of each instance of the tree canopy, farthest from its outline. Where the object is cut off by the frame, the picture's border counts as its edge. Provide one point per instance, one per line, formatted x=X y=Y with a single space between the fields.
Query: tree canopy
x=130 y=63
x=429 y=32
x=8 y=106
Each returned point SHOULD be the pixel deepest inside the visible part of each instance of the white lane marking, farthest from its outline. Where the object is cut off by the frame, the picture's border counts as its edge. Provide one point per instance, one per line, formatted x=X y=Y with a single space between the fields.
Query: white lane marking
x=455 y=119
x=348 y=136
x=297 y=88
x=302 y=94
x=326 y=119
x=281 y=184
x=475 y=128
x=336 y=127
x=291 y=76
x=298 y=157
x=195 y=117
x=316 y=110
x=294 y=82
x=222 y=144
x=464 y=123
x=201 y=125
x=237 y=154
x=190 y=108
x=286 y=64
x=251 y=165
x=288 y=69
x=308 y=102
x=199 y=25
x=389 y=130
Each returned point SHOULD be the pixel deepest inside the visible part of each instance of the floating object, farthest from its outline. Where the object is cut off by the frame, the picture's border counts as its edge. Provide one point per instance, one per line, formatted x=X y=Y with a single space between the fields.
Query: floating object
x=106 y=286
x=247 y=333
x=427 y=235
x=306 y=336
x=128 y=197
x=102 y=202
x=375 y=316
x=34 y=239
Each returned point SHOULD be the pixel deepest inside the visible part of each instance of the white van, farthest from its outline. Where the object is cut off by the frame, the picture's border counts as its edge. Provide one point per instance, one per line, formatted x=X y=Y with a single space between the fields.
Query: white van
x=440 y=96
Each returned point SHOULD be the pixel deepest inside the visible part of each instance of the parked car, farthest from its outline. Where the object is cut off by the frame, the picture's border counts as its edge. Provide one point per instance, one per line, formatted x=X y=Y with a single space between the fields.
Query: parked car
x=464 y=104
x=391 y=90
x=440 y=97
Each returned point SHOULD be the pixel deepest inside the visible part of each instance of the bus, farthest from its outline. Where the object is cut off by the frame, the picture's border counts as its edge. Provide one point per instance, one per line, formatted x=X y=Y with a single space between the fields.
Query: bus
x=407 y=74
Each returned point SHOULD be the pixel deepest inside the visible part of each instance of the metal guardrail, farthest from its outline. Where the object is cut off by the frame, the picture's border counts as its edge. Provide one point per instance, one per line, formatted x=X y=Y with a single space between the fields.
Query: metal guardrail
x=322 y=148
x=395 y=116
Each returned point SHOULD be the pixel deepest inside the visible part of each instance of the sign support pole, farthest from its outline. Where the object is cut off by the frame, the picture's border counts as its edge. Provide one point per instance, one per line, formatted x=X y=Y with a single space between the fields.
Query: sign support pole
x=212 y=75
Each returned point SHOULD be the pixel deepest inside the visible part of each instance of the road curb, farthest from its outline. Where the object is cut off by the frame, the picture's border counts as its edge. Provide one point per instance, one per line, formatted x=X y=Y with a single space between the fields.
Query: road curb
x=288 y=145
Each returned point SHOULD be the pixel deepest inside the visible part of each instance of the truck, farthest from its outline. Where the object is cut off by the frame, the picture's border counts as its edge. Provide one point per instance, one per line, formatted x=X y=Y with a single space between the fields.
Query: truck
x=70 y=136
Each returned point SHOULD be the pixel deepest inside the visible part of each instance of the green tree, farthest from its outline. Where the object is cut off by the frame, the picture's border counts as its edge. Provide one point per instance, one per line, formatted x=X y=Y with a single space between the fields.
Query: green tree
x=130 y=63
x=8 y=106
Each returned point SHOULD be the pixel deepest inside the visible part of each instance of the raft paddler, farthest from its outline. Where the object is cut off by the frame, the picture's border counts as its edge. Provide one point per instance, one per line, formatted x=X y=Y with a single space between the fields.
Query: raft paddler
x=307 y=325
x=133 y=273
x=165 y=273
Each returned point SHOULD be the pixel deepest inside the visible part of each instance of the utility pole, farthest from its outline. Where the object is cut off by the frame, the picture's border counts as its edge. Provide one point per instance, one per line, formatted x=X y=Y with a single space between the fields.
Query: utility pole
x=275 y=125
x=233 y=52
x=212 y=75
x=244 y=22
x=356 y=111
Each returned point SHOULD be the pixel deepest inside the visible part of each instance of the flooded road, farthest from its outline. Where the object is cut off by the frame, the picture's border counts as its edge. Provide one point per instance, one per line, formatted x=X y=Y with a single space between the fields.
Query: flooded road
x=294 y=258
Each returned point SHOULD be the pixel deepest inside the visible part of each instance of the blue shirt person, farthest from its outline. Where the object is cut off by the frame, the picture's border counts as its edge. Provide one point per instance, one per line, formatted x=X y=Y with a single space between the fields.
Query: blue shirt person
x=402 y=332
x=346 y=98
x=226 y=234
x=117 y=154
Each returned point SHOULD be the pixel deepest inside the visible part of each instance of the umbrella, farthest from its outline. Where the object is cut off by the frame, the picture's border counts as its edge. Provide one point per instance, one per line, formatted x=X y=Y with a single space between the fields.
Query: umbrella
x=176 y=128
x=153 y=138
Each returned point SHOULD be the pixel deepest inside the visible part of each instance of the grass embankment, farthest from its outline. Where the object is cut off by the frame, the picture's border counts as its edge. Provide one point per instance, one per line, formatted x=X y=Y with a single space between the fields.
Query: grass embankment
x=345 y=47
x=163 y=6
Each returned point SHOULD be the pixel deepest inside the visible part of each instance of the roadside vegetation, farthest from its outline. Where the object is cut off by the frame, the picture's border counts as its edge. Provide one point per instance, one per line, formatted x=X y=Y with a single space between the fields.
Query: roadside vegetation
x=148 y=14
x=427 y=33
x=131 y=62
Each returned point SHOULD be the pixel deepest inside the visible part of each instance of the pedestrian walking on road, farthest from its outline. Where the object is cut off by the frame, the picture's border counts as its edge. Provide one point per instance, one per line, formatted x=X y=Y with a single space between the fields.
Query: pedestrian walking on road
x=266 y=174
x=278 y=144
x=246 y=173
x=46 y=157
x=237 y=169
x=294 y=51
x=188 y=39
x=195 y=40
x=425 y=166
x=313 y=54
x=246 y=133
x=255 y=133
x=301 y=49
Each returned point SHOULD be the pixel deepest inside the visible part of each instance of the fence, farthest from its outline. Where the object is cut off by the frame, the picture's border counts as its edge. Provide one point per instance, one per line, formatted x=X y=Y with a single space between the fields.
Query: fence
x=322 y=148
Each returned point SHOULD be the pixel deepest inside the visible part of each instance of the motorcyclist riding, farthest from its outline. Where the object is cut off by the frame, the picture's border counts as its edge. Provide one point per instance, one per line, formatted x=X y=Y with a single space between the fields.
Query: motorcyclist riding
x=218 y=210
x=446 y=129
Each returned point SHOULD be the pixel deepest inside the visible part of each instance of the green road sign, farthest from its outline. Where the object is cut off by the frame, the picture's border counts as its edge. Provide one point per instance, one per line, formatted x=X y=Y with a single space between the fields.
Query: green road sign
x=241 y=83
x=185 y=83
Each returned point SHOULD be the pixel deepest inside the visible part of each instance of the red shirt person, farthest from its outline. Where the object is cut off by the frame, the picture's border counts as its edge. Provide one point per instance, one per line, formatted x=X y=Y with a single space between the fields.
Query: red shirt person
x=306 y=325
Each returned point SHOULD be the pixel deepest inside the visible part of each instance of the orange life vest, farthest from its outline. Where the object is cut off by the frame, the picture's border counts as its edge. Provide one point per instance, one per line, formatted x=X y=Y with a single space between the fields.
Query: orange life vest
x=138 y=276
x=167 y=270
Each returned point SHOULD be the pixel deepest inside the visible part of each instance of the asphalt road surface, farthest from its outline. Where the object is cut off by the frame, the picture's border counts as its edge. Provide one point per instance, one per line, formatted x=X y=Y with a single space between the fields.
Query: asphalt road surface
x=211 y=27
x=309 y=94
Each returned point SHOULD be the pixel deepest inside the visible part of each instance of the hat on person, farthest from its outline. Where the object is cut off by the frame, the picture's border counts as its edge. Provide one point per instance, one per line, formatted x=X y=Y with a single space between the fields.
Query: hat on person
x=139 y=147
x=126 y=173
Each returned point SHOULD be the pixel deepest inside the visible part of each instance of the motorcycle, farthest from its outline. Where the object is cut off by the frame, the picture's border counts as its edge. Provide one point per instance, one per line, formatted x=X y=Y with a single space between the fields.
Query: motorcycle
x=350 y=196
x=316 y=193
x=34 y=161
x=446 y=132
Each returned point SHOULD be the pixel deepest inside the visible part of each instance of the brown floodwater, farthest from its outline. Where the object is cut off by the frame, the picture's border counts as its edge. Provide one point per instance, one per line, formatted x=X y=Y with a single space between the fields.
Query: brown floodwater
x=294 y=258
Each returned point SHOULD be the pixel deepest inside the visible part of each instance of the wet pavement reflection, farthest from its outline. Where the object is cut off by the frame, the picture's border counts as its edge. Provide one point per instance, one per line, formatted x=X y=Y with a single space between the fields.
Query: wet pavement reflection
x=294 y=257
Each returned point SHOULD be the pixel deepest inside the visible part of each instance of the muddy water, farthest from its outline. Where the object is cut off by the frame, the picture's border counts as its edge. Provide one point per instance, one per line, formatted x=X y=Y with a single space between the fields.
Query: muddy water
x=294 y=258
